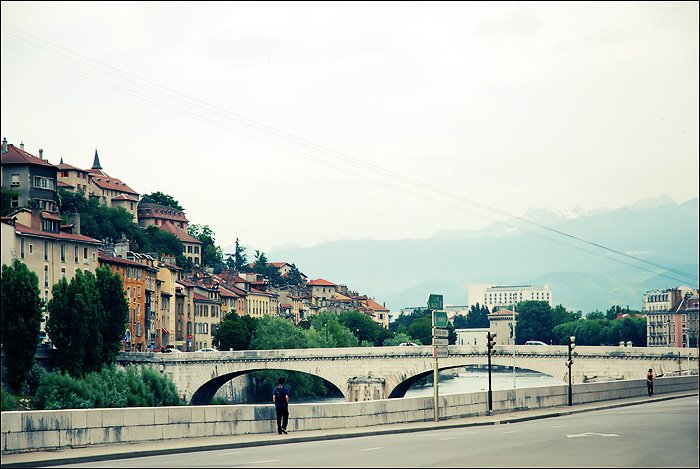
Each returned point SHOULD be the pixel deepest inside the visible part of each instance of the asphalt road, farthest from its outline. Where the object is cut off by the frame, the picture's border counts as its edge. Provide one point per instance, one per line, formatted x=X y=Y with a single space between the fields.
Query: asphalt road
x=658 y=434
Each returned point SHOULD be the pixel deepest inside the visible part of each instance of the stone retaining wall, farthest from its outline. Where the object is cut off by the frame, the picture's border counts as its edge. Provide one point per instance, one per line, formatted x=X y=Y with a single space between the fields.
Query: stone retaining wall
x=55 y=429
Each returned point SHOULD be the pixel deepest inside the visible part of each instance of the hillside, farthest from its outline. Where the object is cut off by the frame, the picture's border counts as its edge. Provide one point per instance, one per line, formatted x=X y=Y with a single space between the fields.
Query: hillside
x=403 y=272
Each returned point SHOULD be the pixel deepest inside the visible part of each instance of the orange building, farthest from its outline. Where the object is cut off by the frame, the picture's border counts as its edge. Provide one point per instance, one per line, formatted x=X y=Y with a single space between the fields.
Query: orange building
x=134 y=275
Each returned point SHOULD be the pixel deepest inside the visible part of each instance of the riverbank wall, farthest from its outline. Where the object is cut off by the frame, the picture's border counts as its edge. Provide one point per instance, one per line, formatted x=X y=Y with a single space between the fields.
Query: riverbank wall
x=57 y=429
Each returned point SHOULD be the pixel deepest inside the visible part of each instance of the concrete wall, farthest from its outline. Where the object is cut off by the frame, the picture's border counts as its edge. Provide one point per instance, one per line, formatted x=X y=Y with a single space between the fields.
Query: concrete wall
x=50 y=429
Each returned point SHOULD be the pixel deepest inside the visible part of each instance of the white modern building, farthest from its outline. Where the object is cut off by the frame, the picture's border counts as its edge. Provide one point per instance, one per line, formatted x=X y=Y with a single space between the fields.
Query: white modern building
x=503 y=296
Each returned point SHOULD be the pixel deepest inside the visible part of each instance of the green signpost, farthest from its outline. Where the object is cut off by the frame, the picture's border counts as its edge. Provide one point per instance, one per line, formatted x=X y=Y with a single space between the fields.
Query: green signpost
x=440 y=341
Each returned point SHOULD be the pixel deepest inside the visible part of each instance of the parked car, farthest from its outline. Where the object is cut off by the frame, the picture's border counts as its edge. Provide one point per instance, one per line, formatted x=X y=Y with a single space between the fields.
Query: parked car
x=535 y=342
x=170 y=350
x=207 y=349
x=407 y=344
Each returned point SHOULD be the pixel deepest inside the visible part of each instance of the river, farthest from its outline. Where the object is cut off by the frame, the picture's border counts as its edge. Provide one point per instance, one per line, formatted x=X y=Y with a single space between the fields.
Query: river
x=473 y=380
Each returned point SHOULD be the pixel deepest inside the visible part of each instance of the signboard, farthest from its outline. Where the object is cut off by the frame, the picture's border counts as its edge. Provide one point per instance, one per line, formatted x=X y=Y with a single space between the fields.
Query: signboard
x=440 y=351
x=435 y=301
x=440 y=341
x=440 y=332
x=440 y=319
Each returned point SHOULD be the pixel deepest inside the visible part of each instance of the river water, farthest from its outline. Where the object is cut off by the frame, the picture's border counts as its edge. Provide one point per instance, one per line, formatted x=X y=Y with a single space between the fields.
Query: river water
x=473 y=380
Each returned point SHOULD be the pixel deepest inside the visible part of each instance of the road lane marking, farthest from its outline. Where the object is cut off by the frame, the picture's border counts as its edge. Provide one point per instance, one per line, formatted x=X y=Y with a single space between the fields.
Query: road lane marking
x=448 y=438
x=558 y=426
x=512 y=431
x=262 y=462
x=590 y=434
x=371 y=449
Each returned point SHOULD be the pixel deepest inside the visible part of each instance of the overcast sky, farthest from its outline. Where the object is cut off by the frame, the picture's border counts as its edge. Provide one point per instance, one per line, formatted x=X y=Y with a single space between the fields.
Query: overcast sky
x=298 y=123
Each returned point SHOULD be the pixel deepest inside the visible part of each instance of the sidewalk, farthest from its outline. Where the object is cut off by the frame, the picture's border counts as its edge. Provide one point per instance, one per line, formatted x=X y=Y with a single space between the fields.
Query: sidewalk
x=185 y=445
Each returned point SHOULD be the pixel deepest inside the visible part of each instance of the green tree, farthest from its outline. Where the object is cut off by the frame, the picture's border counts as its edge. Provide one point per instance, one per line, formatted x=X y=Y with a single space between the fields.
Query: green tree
x=293 y=276
x=114 y=312
x=161 y=199
x=422 y=329
x=235 y=332
x=21 y=316
x=534 y=321
x=75 y=323
x=327 y=331
x=364 y=328
x=240 y=259
x=277 y=333
x=477 y=317
x=560 y=315
x=211 y=253
x=397 y=339
x=594 y=315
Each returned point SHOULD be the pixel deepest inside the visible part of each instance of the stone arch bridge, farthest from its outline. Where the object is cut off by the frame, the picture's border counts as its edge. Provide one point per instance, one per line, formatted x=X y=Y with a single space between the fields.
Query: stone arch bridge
x=367 y=373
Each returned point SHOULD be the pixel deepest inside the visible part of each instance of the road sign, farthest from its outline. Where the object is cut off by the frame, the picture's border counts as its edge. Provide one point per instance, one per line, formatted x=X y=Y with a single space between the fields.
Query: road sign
x=437 y=332
x=439 y=341
x=440 y=351
x=435 y=301
x=440 y=319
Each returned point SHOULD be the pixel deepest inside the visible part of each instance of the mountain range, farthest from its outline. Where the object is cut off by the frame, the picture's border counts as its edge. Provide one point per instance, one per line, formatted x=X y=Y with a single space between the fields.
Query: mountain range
x=591 y=260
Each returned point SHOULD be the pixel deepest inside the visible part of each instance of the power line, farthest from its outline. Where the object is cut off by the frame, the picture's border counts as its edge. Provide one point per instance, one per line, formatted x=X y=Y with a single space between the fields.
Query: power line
x=290 y=138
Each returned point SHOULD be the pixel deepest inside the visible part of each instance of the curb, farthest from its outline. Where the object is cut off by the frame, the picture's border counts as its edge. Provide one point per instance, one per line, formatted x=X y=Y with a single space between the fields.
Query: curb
x=129 y=454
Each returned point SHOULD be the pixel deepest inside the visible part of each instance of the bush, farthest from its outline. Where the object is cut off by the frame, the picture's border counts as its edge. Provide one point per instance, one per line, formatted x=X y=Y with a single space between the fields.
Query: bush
x=61 y=391
x=8 y=401
x=111 y=387
x=34 y=378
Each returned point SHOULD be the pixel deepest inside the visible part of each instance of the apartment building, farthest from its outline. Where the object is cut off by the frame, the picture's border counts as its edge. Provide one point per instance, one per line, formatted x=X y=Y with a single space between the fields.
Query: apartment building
x=502 y=296
x=672 y=317
x=165 y=314
x=31 y=178
x=173 y=221
x=50 y=250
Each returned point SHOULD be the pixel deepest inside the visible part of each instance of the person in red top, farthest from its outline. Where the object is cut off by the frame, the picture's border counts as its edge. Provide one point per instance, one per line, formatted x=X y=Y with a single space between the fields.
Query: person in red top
x=650 y=382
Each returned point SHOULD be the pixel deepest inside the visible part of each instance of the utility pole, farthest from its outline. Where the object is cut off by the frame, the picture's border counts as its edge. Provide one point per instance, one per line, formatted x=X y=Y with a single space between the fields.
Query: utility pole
x=490 y=342
x=514 y=385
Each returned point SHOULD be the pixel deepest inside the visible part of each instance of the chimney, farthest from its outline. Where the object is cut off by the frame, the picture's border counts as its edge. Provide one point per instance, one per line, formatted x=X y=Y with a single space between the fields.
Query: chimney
x=4 y=145
x=41 y=153
x=74 y=219
x=21 y=145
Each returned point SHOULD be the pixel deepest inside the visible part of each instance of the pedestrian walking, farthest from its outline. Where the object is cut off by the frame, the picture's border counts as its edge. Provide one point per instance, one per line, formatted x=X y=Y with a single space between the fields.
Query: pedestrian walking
x=650 y=382
x=280 y=396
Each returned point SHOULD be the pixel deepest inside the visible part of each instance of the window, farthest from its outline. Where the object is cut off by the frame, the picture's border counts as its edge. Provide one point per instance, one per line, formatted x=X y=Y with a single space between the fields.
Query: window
x=21 y=248
x=31 y=250
x=189 y=249
x=14 y=203
x=196 y=249
x=63 y=272
x=85 y=254
x=15 y=180
x=75 y=250
x=46 y=276
x=46 y=250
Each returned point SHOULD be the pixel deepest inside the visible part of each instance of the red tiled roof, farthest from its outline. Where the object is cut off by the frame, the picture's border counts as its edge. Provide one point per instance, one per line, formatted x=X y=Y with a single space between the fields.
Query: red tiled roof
x=22 y=229
x=118 y=260
x=374 y=306
x=197 y=296
x=68 y=167
x=278 y=264
x=107 y=182
x=16 y=155
x=182 y=235
x=63 y=184
x=126 y=197
x=319 y=282
x=50 y=216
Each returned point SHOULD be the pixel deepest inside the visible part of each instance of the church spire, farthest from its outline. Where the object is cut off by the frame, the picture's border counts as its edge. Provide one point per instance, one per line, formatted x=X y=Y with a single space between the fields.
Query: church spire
x=96 y=164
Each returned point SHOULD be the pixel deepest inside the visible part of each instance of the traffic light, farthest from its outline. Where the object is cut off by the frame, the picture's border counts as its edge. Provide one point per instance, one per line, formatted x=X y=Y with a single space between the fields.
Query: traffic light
x=490 y=336
x=572 y=344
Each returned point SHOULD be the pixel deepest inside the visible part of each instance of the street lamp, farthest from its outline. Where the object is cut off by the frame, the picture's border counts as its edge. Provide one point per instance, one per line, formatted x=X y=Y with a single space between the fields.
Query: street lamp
x=490 y=342
x=569 y=362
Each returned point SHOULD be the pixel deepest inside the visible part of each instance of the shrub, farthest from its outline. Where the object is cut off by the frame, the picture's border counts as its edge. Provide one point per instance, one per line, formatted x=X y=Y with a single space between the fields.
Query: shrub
x=162 y=391
x=34 y=378
x=61 y=391
x=8 y=401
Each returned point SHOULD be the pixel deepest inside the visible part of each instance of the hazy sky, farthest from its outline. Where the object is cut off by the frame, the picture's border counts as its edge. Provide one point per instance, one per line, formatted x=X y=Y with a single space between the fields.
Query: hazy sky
x=297 y=123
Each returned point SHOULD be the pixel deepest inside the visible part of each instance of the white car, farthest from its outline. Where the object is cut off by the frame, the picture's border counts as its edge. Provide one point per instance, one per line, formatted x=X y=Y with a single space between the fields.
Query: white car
x=535 y=342
x=207 y=349
x=407 y=344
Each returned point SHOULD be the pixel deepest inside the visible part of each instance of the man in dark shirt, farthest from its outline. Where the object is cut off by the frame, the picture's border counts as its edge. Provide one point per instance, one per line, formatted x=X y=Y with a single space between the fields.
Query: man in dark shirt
x=650 y=382
x=280 y=396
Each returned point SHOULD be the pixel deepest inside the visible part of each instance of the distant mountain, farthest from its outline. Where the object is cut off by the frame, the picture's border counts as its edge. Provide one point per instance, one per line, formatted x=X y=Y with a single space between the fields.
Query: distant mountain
x=582 y=276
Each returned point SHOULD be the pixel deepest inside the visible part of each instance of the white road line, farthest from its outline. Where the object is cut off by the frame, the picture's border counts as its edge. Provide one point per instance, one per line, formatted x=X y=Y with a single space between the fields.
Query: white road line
x=558 y=426
x=371 y=449
x=591 y=434
x=512 y=431
x=448 y=438
x=262 y=462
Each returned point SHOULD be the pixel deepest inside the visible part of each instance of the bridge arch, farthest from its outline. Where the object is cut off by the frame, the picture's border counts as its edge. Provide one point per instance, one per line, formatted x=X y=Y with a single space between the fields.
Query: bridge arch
x=204 y=395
